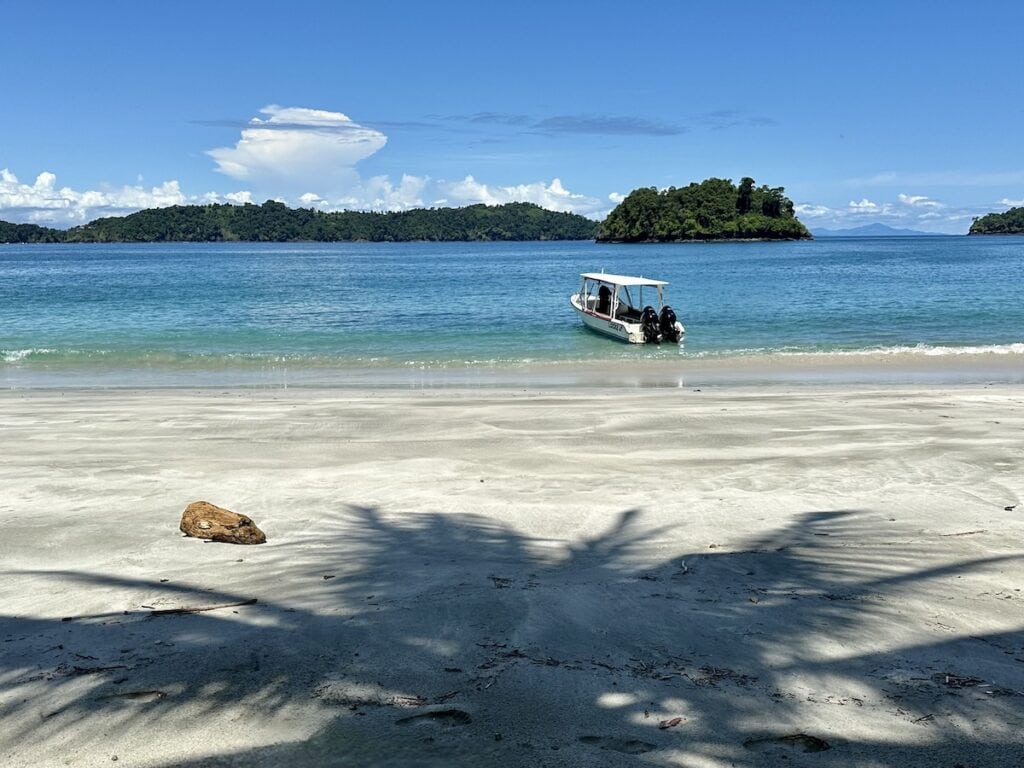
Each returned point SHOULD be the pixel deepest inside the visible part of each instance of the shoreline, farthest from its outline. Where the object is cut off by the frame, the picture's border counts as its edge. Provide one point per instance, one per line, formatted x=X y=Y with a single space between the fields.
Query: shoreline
x=474 y=577
x=788 y=369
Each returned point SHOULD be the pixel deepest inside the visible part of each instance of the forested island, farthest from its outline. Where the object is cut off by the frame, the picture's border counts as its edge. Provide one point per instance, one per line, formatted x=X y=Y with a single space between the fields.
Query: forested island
x=1010 y=222
x=276 y=222
x=714 y=209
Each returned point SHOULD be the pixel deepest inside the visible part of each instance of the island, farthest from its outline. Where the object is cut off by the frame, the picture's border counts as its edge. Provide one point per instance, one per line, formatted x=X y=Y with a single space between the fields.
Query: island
x=714 y=209
x=275 y=222
x=1010 y=222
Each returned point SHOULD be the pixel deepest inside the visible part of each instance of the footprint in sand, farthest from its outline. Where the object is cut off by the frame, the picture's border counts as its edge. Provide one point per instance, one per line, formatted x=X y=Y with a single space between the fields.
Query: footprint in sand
x=798 y=742
x=626 y=746
x=441 y=716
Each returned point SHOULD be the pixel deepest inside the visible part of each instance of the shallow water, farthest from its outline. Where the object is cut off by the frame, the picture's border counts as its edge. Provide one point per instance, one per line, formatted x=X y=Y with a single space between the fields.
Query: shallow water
x=217 y=314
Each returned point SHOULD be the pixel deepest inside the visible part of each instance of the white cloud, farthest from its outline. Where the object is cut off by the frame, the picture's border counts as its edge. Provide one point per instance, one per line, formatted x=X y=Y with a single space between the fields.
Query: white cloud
x=1011 y=203
x=812 y=211
x=907 y=211
x=300 y=156
x=919 y=201
x=43 y=202
x=553 y=196
x=864 y=206
x=616 y=197
x=296 y=148
x=382 y=195
x=378 y=193
x=239 y=198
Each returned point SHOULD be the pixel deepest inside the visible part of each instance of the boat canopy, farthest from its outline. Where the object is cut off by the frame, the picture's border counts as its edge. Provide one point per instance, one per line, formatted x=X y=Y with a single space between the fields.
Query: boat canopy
x=604 y=277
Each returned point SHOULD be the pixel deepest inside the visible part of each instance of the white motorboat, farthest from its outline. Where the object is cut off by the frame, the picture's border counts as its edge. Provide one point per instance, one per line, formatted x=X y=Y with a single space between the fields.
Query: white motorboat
x=614 y=305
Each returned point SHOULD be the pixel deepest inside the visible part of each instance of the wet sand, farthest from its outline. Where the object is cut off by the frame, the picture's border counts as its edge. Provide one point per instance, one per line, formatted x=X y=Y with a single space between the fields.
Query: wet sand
x=635 y=367
x=677 y=575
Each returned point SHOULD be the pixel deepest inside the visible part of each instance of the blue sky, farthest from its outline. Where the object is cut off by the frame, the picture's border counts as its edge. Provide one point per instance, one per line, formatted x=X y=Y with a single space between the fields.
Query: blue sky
x=905 y=113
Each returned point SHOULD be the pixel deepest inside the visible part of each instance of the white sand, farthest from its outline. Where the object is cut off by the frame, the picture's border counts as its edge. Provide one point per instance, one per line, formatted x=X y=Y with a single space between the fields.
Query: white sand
x=489 y=578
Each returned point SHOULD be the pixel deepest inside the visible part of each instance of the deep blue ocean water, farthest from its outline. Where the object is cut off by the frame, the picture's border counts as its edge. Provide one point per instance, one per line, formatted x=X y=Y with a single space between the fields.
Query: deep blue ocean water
x=180 y=312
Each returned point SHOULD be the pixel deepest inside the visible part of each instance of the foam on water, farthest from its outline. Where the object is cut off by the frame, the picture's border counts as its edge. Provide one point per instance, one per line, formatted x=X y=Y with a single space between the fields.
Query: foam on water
x=17 y=355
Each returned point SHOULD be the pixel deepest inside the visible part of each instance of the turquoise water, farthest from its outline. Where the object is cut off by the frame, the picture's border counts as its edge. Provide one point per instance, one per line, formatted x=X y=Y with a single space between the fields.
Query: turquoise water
x=194 y=313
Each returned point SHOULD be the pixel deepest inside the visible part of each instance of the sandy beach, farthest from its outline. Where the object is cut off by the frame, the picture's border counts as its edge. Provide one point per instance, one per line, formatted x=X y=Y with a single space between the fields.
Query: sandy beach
x=577 y=576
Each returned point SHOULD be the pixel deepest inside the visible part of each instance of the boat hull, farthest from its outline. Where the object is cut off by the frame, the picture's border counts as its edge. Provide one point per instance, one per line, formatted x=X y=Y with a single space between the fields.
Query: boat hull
x=631 y=333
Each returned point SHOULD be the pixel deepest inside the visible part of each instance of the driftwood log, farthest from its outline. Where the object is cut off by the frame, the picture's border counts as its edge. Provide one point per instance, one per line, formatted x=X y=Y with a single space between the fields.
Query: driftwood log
x=208 y=521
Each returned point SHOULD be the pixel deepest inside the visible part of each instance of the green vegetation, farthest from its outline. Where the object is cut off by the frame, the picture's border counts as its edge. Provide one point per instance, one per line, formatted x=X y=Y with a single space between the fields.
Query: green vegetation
x=28 y=233
x=1009 y=223
x=276 y=222
x=715 y=209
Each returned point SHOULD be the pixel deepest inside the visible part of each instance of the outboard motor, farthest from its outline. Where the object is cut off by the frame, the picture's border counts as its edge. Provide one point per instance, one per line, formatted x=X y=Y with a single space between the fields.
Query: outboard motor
x=649 y=323
x=669 y=325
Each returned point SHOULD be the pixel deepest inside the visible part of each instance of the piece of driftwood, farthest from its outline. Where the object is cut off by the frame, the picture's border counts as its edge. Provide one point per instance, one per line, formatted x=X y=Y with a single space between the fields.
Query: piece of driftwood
x=200 y=608
x=204 y=520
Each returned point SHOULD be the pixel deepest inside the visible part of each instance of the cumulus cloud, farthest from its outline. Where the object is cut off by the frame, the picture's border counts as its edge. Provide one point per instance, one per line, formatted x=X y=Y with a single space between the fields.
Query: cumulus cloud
x=1011 y=203
x=919 y=201
x=812 y=211
x=308 y=157
x=616 y=197
x=863 y=206
x=379 y=193
x=238 y=198
x=384 y=195
x=553 y=196
x=295 y=148
x=917 y=212
x=43 y=202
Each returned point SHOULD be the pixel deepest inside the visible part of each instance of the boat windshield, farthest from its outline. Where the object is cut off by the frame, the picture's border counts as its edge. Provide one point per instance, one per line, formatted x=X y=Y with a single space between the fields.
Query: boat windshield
x=599 y=296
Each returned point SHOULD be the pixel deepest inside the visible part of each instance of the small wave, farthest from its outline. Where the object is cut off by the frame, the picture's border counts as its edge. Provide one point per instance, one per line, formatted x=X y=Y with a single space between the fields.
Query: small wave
x=924 y=350
x=931 y=350
x=17 y=355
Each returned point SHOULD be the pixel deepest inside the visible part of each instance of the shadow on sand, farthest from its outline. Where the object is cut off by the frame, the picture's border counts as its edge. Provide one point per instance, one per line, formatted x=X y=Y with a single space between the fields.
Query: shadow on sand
x=435 y=639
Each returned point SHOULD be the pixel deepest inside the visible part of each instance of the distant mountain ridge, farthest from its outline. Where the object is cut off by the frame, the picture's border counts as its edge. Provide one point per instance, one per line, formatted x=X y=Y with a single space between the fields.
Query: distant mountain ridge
x=872 y=230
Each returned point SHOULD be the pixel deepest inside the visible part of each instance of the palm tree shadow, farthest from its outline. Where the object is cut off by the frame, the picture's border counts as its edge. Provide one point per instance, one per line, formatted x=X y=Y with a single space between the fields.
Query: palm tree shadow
x=438 y=639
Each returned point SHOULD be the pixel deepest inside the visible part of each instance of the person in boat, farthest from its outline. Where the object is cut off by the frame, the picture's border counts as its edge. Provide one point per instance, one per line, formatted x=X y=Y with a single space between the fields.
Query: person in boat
x=604 y=300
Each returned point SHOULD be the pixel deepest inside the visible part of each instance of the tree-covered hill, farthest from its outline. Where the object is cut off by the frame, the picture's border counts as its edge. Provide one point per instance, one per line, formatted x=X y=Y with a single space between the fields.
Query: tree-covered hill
x=714 y=209
x=275 y=222
x=28 y=233
x=1010 y=222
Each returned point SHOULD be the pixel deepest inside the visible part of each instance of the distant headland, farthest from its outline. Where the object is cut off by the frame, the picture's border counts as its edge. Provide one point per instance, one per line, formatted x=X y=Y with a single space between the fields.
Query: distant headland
x=1009 y=223
x=276 y=222
x=714 y=209
x=873 y=230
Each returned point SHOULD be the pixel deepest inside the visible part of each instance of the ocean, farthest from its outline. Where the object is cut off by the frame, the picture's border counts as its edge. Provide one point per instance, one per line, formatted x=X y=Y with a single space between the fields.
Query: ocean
x=247 y=314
